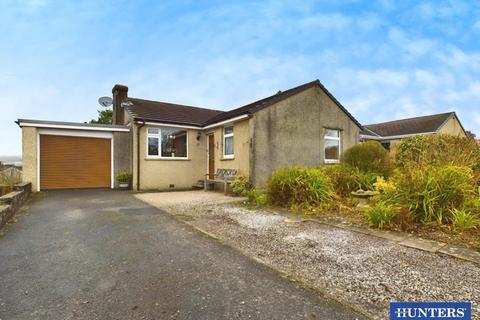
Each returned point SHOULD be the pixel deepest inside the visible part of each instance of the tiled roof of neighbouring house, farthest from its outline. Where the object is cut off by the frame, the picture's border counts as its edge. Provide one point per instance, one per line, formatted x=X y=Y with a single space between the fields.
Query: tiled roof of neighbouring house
x=417 y=125
x=181 y=114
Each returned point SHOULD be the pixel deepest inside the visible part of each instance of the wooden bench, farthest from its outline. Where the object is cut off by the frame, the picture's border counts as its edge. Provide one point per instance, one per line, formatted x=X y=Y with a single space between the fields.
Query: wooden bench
x=225 y=176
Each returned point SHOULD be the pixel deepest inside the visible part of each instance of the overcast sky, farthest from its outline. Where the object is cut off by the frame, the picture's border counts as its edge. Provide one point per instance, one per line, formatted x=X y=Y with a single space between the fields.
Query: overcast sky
x=383 y=60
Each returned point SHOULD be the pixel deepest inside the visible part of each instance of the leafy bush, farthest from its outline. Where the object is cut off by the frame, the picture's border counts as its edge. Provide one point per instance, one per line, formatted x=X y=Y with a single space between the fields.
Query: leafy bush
x=388 y=192
x=300 y=186
x=431 y=192
x=464 y=220
x=255 y=197
x=342 y=177
x=437 y=149
x=345 y=178
x=240 y=185
x=365 y=180
x=380 y=214
x=368 y=156
x=123 y=177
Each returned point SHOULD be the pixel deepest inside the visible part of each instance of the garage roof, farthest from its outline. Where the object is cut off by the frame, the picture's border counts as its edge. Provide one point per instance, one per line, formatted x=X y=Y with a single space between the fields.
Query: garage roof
x=70 y=125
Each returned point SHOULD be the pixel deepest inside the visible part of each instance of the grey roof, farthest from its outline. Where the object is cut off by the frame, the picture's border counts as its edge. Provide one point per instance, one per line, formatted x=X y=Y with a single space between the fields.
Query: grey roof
x=410 y=126
x=169 y=112
x=69 y=124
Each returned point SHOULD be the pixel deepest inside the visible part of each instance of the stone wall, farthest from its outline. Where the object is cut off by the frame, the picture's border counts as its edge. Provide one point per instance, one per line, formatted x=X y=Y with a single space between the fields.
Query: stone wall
x=11 y=202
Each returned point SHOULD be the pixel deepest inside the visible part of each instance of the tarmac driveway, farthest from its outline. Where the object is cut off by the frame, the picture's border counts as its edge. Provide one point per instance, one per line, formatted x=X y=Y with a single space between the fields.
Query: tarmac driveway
x=107 y=255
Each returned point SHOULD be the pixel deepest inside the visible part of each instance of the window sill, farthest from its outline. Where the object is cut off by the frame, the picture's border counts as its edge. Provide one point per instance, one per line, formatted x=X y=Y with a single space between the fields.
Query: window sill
x=227 y=158
x=331 y=161
x=166 y=159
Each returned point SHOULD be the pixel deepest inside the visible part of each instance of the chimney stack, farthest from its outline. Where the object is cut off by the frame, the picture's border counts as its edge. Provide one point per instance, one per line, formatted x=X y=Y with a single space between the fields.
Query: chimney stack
x=120 y=94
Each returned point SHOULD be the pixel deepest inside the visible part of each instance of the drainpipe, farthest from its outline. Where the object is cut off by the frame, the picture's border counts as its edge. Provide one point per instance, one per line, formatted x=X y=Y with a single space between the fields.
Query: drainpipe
x=138 y=153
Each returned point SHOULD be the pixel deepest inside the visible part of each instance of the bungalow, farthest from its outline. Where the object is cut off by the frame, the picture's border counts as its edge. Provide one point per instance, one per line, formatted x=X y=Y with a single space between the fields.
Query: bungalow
x=170 y=146
x=391 y=132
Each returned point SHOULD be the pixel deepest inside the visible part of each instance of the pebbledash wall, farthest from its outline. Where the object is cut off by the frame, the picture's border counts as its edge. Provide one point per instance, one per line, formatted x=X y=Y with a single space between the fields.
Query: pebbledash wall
x=291 y=132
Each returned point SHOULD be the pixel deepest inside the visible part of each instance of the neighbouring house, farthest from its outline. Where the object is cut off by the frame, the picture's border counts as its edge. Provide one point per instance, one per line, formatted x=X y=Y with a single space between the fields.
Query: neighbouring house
x=390 y=133
x=170 y=146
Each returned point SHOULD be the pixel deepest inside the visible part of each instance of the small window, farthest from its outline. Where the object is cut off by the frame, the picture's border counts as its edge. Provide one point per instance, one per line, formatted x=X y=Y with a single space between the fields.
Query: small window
x=166 y=143
x=228 y=142
x=332 y=145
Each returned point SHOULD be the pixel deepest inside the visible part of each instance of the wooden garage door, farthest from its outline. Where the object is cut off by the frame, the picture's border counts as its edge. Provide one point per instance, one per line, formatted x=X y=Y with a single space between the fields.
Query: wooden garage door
x=74 y=162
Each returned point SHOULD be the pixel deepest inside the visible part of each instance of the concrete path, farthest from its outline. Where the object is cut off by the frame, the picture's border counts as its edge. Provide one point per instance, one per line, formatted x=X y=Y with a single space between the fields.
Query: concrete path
x=106 y=255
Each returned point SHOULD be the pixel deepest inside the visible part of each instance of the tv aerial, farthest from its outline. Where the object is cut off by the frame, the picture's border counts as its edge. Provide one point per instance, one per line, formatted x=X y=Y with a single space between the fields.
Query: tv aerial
x=105 y=101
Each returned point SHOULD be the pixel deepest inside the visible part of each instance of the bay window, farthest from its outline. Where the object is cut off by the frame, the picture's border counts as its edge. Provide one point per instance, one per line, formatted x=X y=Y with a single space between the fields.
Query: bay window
x=167 y=143
x=332 y=145
x=228 y=142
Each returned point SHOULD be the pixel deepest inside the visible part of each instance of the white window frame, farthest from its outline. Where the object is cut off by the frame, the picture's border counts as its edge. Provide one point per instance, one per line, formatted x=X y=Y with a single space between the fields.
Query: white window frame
x=225 y=136
x=325 y=137
x=159 y=136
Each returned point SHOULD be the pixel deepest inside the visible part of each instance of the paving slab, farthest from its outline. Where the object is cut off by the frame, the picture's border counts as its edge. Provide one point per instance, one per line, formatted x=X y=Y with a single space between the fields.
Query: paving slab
x=462 y=253
x=390 y=235
x=422 y=244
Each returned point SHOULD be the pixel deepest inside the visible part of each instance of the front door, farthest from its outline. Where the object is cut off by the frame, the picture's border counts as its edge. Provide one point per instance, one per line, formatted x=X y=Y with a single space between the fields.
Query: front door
x=211 y=157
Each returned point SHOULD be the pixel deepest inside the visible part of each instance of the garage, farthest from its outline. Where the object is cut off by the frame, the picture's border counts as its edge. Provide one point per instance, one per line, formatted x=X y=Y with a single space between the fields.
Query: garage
x=68 y=162
x=72 y=155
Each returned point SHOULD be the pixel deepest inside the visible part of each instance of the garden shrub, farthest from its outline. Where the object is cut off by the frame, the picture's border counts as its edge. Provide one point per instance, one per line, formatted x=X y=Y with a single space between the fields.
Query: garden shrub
x=464 y=220
x=123 y=177
x=345 y=178
x=240 y=185
x=380 y=215
x=255 y=197
x=300 y=186
x=432 y=192
x=369 y=156
x=437 y=149
x=388 y=192
x=6 y=180
x=365 y=180
x=342 y=177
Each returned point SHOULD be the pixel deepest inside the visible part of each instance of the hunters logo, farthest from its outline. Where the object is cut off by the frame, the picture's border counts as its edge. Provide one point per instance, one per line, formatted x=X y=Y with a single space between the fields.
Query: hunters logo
x=430 y=310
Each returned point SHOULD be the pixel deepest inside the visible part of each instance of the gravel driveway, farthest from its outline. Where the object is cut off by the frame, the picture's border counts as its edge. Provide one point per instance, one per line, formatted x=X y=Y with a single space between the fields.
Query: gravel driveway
x=105 y=255
x=357 y=269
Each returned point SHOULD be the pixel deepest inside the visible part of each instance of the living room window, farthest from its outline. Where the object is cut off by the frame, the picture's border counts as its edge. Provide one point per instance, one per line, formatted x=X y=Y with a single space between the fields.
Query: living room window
x=168 y=143
x=228 y=142
x=332 y=145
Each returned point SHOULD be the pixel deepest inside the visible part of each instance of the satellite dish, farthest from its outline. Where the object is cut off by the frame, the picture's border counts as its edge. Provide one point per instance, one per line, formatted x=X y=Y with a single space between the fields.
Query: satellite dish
x=105 y=101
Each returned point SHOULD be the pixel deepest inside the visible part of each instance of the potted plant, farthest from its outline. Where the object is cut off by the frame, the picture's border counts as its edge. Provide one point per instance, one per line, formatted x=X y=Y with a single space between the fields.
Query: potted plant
x=123 y=179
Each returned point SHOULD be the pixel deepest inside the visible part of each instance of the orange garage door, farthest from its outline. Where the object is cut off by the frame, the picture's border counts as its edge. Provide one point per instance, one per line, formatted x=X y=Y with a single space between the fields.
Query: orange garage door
x=74 y=162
